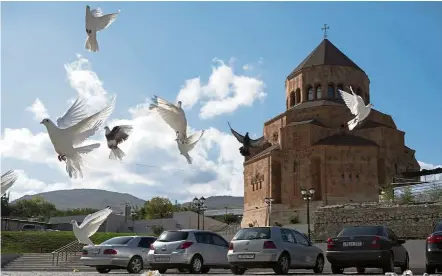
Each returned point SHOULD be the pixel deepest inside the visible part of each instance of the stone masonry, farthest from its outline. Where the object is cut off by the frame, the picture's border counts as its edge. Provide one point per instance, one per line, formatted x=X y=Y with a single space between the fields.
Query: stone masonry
x=411 y=221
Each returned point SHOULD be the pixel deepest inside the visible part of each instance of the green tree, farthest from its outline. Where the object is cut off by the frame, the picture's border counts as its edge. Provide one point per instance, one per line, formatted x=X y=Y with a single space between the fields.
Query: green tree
x=36 y=207
x=230 y=219
x=388 y=193
x=157 y=230
x=6 y=209
x=74 y=212
x=407 y=195
x=158 y=207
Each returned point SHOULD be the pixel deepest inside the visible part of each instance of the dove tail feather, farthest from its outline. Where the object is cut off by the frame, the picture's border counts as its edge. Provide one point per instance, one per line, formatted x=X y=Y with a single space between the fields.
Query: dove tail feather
x=189 y=159
x=352 y=123
x=92 y=43
x=116 y=153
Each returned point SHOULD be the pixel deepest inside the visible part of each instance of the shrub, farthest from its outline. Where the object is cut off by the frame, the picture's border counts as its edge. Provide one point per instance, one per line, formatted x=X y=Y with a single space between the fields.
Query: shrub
x=157 y=229
x=35 y=242
x=294 y=220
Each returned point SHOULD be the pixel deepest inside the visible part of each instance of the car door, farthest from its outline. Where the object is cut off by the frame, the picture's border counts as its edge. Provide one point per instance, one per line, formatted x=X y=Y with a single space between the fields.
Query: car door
x=204 y=242
x=399 y=250
x=220 y=249
x=290 y=245
x=307 y=253
x=143 y=247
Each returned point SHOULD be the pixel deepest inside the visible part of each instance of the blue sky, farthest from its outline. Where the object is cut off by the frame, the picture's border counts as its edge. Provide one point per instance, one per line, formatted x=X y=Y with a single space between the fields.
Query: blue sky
x=153 y=47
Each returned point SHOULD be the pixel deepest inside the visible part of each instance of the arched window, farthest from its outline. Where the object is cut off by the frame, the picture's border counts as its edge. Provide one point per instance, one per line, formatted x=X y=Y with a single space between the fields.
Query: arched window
x=330 y=91
x=318 y=92
x=298 y=96
x=339 y=87
x=310 y=93
x=292 y=98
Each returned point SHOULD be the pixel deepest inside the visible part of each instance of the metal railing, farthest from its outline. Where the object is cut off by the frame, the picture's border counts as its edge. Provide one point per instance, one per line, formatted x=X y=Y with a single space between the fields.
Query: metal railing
x=65 y=253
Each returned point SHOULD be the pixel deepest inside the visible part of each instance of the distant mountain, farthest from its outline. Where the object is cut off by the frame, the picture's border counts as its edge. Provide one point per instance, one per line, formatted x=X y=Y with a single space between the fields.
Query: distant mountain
x=88 y=198
x=99 y=199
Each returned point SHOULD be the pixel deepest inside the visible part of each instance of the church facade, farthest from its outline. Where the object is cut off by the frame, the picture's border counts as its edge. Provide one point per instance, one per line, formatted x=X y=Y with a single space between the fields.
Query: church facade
x=310 y=146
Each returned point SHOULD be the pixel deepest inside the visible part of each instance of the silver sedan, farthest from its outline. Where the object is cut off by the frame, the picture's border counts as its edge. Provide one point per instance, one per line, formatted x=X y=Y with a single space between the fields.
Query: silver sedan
x=127 y=252
x=273 y=247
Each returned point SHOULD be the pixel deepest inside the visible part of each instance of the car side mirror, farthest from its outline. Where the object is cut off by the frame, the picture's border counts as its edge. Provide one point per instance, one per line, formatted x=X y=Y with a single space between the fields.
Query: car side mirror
x=400 y=241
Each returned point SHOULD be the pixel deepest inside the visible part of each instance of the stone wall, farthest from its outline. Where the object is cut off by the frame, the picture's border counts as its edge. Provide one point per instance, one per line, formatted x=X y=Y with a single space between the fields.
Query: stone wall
x=412 y=221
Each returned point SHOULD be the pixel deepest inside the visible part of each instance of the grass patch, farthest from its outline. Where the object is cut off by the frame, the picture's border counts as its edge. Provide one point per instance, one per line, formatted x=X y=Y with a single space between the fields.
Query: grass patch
x=45 y=242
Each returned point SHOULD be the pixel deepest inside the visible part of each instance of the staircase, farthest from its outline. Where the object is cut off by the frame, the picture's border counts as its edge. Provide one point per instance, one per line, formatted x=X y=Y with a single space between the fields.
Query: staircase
x=66 y=258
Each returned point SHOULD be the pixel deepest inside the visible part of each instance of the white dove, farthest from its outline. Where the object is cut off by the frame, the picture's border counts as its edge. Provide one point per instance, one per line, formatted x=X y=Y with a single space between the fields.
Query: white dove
x=95 y=22
x=357 y=107
x=7 y=180
x=74 y=128
x=90 y=225
x=173 y=115
x=188 y=145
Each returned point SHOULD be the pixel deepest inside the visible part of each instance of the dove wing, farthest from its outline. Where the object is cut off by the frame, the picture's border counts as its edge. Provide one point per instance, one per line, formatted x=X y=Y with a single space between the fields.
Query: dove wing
x=7 y=180
x=171 y=114
x=92 y=222
x=75 y=114
x=192 y=140
x=88 y=124
x=81 y=137
x=104 y=21
x=350 y=101
x=238 y=136
x=96 y=12
x=258 y=142
x=122 y=133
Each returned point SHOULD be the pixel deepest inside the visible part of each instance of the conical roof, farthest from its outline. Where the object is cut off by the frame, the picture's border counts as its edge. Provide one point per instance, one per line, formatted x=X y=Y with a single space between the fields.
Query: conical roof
x=325 y=54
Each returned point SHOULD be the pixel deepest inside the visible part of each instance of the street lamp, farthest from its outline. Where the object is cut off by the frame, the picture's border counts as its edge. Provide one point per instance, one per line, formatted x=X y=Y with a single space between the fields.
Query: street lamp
x=307 y=195
x=198 y=203
x=268 y=201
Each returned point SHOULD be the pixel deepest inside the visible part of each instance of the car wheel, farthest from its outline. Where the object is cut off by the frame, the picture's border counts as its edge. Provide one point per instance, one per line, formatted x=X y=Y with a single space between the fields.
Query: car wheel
x=135 y=265
x=319 y=265
x=205 y=269
x=182 y=270
x=337 y=270
x=283 y=265
x=196 y=265
x=430 y=269
x=406 y=265
x=163 y=270
x=237 y=270
x=360 y=270
x=103 y=269
x=389 y=267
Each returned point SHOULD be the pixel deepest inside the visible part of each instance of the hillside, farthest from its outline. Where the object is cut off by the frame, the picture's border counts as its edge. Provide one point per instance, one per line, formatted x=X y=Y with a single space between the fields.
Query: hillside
x=99 y=199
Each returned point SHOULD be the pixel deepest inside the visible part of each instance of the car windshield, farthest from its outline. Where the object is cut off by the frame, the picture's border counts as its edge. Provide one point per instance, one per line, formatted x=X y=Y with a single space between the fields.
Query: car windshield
x=438 y=227
x=171 y=236
x=361 y=231
x=118 y=240
x=253 y=233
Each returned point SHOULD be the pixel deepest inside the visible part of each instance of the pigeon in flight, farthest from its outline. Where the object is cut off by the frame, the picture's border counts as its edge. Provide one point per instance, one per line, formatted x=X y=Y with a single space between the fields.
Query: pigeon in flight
x=95 y=22
x=246 y=142
x=116 y=136
x=72 y=129
x=357 y=107
x=173 y=115
x=7 y=180
x=90 y=225
x=189 y=144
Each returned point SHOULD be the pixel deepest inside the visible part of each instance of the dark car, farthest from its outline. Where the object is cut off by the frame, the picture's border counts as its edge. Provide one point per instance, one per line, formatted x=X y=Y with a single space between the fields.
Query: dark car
x=433 y=250
x=367 y=247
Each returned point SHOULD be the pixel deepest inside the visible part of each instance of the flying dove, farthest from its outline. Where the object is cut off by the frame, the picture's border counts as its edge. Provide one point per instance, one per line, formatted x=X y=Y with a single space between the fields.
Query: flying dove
x=7 y=180
x=357 y=107
x=116 y=136
x=95 y=22
x=189 y=144
x=90 y=225
x=246 y=142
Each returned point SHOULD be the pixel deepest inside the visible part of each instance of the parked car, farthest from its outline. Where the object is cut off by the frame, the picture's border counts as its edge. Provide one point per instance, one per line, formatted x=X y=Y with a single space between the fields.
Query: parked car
x=433 y=250
x=273 y=247
x=367 y=247
x=32 y=227
x=126 y=252
x=193 y=251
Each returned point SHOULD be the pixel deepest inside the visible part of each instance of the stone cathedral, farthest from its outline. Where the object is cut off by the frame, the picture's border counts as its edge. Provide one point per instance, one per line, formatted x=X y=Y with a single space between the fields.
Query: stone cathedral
x=310 y=146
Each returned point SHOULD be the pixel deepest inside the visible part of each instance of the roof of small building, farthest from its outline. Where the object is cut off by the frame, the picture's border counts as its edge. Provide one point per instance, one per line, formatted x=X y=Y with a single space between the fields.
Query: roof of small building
x=325 y=54
x=345 y=140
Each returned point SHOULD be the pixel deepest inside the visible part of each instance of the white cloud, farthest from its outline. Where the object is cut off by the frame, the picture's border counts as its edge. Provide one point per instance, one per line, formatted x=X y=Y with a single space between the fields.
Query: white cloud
x=152 y=161
x=39 y=110
x=224 y=93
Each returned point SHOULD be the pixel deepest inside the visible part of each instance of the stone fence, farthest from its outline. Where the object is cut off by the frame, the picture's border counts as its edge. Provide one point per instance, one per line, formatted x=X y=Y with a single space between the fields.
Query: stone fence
x=411 y=221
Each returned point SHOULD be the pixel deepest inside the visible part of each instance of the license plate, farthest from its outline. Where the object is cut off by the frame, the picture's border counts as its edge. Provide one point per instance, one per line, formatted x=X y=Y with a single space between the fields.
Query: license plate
x=95 y=251
x=162 y=259
x=246 y=256
x=345 y=244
